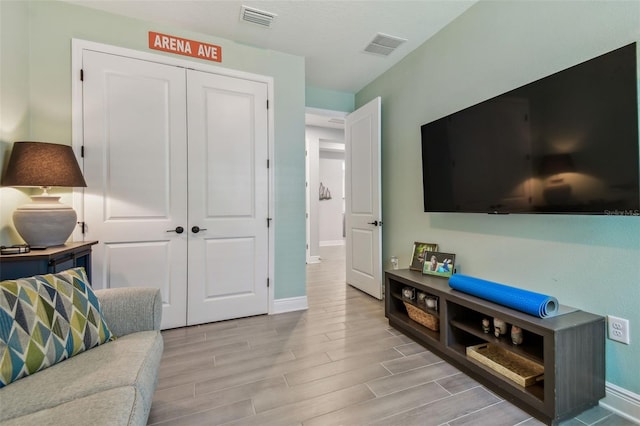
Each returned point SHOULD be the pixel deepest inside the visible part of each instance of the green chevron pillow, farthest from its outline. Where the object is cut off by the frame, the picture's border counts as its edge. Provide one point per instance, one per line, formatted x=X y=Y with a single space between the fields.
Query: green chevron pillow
x=46 y=319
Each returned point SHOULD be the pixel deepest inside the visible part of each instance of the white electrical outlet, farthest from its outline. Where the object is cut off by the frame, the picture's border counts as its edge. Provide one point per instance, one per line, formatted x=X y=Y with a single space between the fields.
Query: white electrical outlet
x=618 y=329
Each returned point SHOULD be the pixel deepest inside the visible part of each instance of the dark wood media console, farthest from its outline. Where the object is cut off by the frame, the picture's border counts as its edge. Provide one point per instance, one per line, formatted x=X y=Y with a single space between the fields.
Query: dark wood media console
x=570 y=347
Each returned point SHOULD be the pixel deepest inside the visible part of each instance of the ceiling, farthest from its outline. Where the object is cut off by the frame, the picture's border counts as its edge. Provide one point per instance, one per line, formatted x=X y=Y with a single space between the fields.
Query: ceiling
x=331 y=35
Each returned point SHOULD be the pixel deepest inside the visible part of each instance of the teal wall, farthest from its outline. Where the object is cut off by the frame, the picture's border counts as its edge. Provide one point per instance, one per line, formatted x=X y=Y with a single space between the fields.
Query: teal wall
x=590 y=262
x=334 y=100
x=51 y=26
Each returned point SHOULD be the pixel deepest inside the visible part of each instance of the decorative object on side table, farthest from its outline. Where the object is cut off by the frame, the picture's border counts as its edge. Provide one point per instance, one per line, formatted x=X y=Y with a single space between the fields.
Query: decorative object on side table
x=486 y=325
x=394 y=262
x=439 y=264
x=417 y=256
x=15 y=249
x=431 y=302
x=45 y=222
x=516 y=335
x=499 y=327
x=409 y=293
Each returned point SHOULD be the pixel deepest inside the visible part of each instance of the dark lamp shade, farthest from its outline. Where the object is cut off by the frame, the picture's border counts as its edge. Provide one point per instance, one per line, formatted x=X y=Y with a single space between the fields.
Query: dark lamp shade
x=43 y=164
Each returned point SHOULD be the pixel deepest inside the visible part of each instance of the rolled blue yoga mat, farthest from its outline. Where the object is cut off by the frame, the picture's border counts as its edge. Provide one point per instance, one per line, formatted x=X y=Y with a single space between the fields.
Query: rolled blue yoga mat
x=536 y=304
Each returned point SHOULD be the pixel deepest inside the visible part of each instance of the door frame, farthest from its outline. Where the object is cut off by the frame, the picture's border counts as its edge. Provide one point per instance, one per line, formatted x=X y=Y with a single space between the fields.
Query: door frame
x=77 y=48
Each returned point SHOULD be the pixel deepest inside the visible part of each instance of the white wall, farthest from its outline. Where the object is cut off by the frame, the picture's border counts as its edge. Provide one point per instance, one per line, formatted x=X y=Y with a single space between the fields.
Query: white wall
x=331 y=212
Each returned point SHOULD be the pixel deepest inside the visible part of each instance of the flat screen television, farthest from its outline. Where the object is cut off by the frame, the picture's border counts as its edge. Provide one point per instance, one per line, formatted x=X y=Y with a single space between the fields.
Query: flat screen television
x=567 y=143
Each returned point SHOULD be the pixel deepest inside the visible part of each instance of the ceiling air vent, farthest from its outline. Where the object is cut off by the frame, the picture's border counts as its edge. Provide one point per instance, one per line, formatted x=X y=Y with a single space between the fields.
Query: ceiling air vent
x=383 y=44
x=256 y=16
x=336 y=120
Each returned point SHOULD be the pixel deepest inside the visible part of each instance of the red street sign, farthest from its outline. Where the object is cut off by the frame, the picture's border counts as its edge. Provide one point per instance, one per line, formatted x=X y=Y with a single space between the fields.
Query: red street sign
x=182 y=46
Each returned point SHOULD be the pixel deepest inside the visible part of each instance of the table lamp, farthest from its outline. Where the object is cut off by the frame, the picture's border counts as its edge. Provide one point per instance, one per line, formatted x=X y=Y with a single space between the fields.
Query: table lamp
x=44 y=222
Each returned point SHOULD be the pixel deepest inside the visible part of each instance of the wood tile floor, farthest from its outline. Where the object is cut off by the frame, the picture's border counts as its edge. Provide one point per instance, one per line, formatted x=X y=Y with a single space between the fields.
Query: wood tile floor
x=338 y=363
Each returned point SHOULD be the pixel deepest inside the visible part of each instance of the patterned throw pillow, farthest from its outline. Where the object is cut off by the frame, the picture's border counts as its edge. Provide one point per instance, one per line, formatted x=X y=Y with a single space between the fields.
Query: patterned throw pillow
x=46 y=319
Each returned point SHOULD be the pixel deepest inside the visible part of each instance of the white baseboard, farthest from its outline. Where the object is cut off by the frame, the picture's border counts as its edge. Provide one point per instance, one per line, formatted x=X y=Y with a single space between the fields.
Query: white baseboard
x=290 y=304
x=314 y=259
x=622 y=402
x=331 y=243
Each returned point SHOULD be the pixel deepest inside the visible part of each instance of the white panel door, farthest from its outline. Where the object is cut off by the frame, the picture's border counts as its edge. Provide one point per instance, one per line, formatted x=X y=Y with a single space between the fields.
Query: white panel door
x=363 y=215
x=228 y=197
x=135 y=160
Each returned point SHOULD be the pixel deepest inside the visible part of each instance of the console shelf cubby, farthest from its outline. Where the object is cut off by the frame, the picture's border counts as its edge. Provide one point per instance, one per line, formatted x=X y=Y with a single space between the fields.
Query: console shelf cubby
x=569 y=347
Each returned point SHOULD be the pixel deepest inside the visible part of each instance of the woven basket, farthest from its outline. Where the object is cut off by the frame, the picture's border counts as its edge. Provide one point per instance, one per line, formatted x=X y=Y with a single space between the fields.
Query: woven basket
x=422 y=317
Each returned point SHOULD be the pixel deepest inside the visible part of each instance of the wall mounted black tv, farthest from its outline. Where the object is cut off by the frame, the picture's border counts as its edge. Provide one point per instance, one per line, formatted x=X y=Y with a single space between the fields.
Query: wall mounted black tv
x=567 y=143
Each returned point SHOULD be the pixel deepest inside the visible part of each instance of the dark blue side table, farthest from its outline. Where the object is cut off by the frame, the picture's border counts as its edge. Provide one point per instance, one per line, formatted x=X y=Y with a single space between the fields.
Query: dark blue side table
x=47 y=261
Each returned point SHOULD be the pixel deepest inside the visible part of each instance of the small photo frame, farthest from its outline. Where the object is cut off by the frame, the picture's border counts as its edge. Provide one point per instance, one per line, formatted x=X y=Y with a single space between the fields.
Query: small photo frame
x=439 y=264
x=417 y=256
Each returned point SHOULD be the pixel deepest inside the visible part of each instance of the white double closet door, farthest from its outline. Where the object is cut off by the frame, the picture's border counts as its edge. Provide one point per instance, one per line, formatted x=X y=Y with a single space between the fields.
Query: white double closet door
x=177 y=185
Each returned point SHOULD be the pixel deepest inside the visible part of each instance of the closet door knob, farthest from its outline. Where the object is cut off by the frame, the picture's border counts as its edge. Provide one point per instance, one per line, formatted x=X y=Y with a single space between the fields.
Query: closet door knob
x=178 y=230
x=197 y=229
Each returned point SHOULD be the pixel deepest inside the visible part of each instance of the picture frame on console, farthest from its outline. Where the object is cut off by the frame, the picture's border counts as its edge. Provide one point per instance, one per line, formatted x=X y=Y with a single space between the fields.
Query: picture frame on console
x=417 y=255
x=439 y=264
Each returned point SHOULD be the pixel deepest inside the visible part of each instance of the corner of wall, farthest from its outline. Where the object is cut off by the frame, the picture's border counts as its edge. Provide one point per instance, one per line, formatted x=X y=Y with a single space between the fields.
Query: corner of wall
x=289 y=304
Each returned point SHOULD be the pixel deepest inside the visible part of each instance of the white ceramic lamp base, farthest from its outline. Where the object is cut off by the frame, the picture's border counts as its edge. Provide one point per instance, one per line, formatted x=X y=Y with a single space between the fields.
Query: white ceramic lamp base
x=45 y=222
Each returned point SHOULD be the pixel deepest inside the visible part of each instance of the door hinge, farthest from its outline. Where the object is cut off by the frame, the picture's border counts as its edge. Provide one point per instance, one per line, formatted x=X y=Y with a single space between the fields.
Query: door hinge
x=82 y=151
x=83 y=226
x=267 y=103
x=268 y=283
x=268 y=222
x=268 y=163
x=81 y=74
